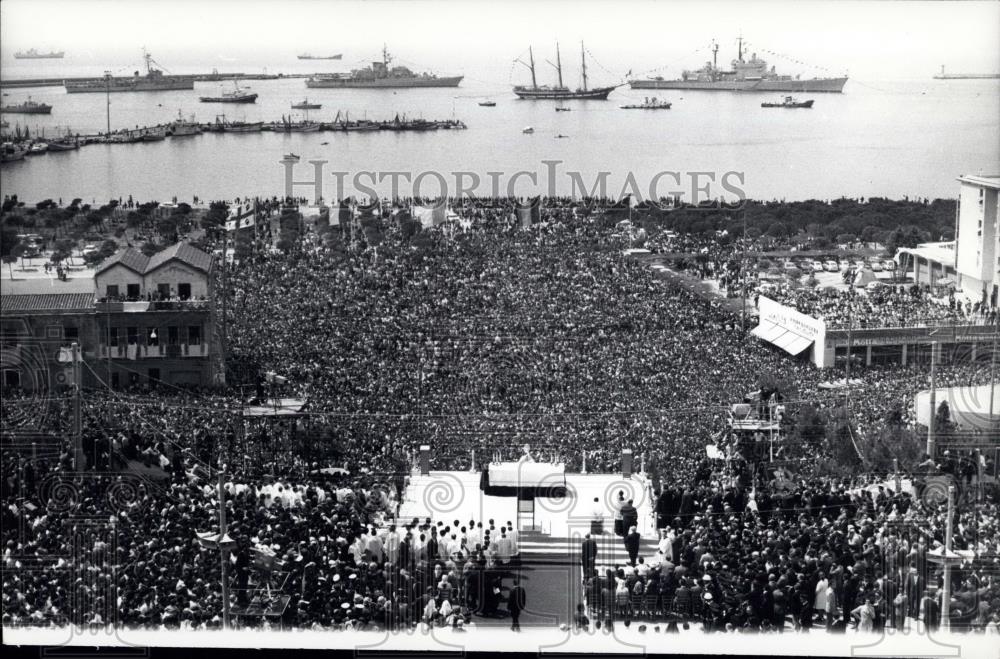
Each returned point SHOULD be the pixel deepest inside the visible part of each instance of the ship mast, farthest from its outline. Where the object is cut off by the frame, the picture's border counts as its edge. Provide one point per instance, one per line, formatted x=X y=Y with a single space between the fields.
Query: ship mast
x=739 y=48
x=559 y=65
x=583 y=60
x=715 y=55
x=531 y=58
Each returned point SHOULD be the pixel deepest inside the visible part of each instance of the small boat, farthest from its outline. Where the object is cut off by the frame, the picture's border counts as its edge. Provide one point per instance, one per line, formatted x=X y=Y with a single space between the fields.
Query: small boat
x=292 y=156
x=243 y=127
x=66 y=144
x=236 y=96
x=560 y=136
x=788 y=102
x=28 y=107
x=488 y=104
x=37 y=148
x=563 y=109
x=306 y=105
x=648 y=104
x=10 y=152
x=183 y=127
x=528 y=130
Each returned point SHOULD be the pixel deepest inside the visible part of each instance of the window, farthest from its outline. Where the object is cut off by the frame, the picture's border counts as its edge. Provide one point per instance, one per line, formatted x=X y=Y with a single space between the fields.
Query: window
x=113 y=336
x=184 y=291
x=11 y=378
x=133 y=335
x=194 y=335
x=134 y=292
x=54 y=332
x=173 y=335
x=112 y=292
x=163 y=290
x=71 y=333
x=153 y=337
x=114 y=380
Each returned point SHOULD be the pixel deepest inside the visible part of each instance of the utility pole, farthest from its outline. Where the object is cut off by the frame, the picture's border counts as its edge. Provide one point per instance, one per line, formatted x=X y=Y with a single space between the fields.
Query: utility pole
x=743 y=269
x=79 y=460
x=931 y=420
x=946 y=589
x=223 y=552
x=107 y=98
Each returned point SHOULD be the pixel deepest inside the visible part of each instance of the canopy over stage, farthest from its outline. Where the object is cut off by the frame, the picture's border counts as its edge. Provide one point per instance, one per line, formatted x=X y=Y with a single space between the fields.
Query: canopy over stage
x=456 y=495
x=276 y=407
x=524 y=479
x=969 y=407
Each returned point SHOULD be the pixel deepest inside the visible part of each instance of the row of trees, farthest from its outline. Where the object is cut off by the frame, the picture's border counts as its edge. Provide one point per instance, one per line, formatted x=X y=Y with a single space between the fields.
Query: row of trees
x=819 y=224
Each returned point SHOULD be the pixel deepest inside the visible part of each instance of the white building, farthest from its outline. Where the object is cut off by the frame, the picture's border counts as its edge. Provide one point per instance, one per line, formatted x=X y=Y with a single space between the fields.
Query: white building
x=977 y=237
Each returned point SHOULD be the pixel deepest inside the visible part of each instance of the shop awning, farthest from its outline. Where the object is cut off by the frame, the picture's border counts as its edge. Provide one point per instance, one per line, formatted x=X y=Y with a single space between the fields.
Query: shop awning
x=789 y=341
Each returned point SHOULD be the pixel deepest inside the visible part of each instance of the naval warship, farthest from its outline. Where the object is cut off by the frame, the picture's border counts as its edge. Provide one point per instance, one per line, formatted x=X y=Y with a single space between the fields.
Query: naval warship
x=746 y=75
x=380 y=76
x=153 y=81
x=31 y=53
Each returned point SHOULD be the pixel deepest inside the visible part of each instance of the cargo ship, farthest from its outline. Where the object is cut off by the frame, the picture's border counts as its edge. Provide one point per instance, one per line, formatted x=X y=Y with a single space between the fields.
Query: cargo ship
x=28 y=107
x=308 y=56
x=380 y=76
x=746 y=75
x=31 y=53
x=153 y=81
x=560 y=91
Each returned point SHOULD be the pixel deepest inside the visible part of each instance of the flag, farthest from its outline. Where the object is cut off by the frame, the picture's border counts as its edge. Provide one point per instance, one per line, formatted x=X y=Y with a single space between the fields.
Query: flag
x=430 y=216
x=529 y=213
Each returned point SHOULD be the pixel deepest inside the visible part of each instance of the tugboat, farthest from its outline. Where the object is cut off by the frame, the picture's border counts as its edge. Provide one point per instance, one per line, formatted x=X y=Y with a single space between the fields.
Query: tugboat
x=28 y=107
x=648 y=104
x=528 y=130
x=236 y=96
x=560 y=91
x=789 y=102
x=306 y=105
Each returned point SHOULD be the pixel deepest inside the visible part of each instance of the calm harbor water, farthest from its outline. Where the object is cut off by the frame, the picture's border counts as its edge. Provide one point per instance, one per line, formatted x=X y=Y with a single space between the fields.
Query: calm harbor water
x=889 y=138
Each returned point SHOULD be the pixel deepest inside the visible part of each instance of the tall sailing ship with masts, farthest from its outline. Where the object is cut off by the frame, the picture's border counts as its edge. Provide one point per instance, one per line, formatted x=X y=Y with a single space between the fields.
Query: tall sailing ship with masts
x=560 y=91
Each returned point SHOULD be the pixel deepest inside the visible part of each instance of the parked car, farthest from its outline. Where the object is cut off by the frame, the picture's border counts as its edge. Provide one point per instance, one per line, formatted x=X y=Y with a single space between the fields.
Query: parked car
x=90 y=249
x=791 y=268
x=831 y=266
x=817 y=266
x=889 y=265
x=876 y=266
x=859 y=264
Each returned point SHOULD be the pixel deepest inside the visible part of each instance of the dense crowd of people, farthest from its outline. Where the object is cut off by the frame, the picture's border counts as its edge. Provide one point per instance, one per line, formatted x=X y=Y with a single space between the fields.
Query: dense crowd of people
x=885 y=306
x=475 y=337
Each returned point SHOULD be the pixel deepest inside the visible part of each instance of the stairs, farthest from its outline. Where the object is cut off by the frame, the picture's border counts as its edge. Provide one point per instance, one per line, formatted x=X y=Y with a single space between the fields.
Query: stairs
x=539 y=549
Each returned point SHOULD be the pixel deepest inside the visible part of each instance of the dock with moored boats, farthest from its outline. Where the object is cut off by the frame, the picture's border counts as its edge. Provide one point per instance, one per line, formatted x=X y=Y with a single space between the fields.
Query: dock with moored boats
x=26 y=143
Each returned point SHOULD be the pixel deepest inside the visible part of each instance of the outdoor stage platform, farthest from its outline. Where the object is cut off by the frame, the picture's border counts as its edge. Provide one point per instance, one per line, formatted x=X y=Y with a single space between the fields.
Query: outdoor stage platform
x=457 y=495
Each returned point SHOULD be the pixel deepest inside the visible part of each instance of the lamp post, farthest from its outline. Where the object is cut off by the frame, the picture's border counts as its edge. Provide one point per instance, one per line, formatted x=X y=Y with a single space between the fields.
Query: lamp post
x=931 y=445
x=946 y=559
